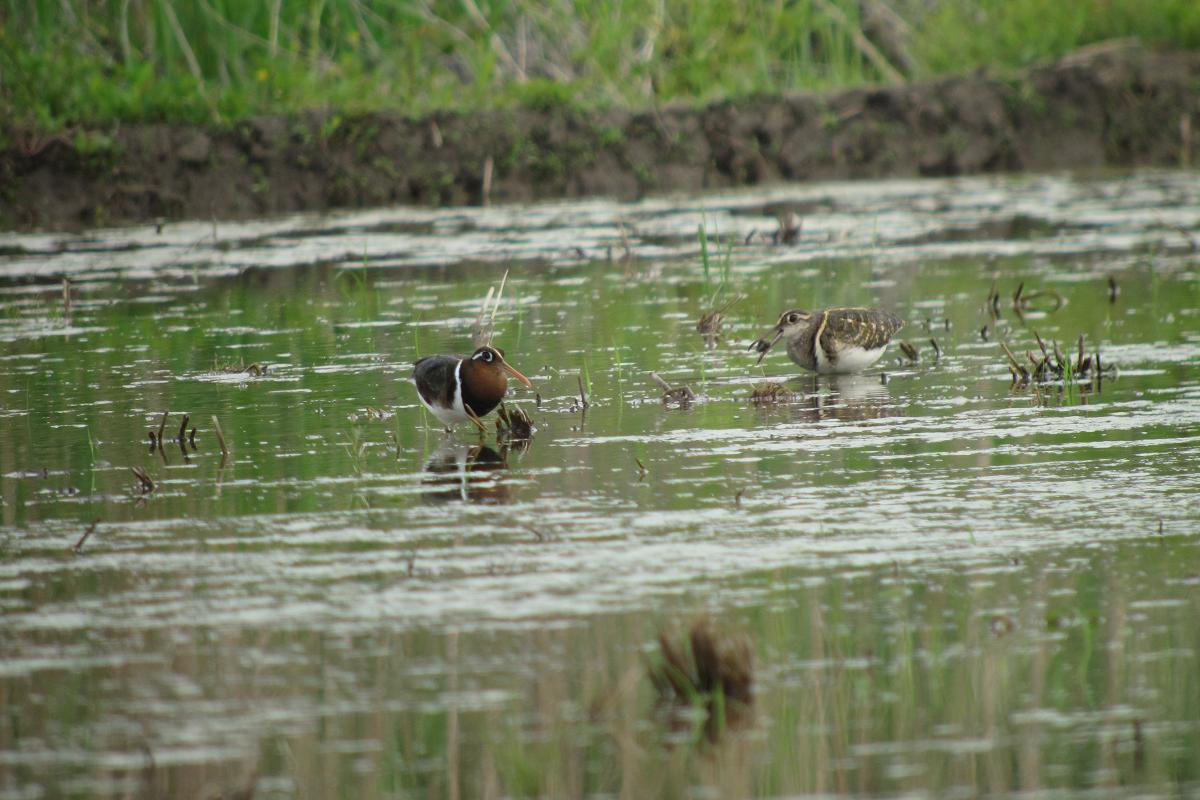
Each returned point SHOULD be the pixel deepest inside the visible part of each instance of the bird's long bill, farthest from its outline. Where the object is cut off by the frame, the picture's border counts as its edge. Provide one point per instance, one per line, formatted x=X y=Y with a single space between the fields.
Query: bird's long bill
x=763 y=346
x=511 y=370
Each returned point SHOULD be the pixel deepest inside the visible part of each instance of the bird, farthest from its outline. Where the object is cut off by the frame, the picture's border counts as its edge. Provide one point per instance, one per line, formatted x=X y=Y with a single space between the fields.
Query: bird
x=457 y=389
x=836 y=340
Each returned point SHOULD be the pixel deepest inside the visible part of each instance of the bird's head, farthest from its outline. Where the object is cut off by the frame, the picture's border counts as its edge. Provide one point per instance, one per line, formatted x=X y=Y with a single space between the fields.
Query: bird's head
x=492 y=359
x=790 y=323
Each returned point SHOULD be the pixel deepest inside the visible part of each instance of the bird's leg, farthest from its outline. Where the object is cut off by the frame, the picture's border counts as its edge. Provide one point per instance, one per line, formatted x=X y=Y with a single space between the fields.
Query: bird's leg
x=475 y=419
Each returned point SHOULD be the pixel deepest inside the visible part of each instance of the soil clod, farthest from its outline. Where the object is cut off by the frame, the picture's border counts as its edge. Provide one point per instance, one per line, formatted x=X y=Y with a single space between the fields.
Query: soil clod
x=769 y=392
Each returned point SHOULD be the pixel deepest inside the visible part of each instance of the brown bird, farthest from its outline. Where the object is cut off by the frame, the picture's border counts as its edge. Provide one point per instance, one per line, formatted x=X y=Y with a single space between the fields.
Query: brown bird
x=836 y=340
x=457 y=389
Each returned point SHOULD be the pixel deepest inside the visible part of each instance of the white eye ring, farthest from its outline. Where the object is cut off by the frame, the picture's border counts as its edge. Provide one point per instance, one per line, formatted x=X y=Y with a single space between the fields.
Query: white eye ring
x=487 y=355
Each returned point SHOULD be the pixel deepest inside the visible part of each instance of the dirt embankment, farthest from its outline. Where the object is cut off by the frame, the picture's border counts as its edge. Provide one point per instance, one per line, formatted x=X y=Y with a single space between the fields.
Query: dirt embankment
x=1109 y=106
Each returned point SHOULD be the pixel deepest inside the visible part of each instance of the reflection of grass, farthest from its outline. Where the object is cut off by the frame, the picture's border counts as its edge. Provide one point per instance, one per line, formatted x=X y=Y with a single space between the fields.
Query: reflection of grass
x=710 y=673
x=855 y=670
x=520 y=325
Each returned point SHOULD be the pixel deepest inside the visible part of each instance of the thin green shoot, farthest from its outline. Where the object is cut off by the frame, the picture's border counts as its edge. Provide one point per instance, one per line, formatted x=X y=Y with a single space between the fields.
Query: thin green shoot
x=92 y=452
x=727 y=261
x=617 y=372
x=724 y=266
x=718 y=714
x=587 y=377
x=1070 y=390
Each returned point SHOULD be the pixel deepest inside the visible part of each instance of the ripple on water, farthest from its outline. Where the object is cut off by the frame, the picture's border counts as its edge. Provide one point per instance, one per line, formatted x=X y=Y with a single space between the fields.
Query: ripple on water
x=983 y=561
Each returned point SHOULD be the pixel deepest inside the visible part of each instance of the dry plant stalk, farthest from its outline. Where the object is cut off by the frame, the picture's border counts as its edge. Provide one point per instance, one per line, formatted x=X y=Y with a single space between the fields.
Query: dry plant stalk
x=1053 y=365
x=789 y=228
x=710 y=322
x=865 y=46
x=145 y=484
x=993 y=300
x=583 y=401
x=1023 y=301
x=513 y=423
x=673 y=394
x=220 y=436
x=485 y=324
x=78 y=548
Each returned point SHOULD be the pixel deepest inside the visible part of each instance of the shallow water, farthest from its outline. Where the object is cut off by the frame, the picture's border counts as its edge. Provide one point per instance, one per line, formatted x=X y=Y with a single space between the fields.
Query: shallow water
x=951 y=585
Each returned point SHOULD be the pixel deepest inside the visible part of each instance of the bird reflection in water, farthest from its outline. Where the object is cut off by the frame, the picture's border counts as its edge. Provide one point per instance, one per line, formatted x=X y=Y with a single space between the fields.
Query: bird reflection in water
x=458 y=472
x=844 y=398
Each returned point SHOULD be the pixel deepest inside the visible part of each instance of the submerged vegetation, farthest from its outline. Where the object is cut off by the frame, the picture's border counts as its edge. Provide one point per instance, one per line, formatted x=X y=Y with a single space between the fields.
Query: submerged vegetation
x=77 y=62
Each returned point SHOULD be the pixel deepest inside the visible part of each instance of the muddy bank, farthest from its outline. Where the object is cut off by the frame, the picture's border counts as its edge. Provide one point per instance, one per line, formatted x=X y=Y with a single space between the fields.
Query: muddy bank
x=1109 y=106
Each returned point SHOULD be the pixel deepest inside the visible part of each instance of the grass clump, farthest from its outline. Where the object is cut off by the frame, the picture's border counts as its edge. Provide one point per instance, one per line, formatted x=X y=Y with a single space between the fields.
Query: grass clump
x=710 y=321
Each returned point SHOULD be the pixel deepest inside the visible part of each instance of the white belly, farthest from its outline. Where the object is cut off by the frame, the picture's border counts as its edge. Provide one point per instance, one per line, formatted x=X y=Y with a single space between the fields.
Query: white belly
x=849 y=359
x=447 y=416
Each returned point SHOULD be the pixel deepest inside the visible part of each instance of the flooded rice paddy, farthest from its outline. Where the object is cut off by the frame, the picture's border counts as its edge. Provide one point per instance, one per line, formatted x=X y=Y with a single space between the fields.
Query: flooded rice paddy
x=950 y=585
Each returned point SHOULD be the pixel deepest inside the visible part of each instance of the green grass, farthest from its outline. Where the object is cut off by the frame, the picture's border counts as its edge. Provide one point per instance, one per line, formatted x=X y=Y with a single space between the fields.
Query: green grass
x=1017 y=33
x=723 y=268
x=66 y=63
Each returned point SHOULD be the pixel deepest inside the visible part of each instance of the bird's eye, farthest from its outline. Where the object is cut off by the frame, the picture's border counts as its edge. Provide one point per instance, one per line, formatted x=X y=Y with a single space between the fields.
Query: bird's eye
x=487 y=355
x=793 y=318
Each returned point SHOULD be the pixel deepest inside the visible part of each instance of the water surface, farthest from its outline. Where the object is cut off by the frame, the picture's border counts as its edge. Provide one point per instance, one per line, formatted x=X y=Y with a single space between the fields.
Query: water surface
x=951 y=585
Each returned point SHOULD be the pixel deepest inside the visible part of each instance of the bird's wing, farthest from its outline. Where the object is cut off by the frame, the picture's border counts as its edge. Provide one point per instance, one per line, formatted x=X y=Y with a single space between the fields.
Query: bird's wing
x=436 y=371
x=868 y=328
